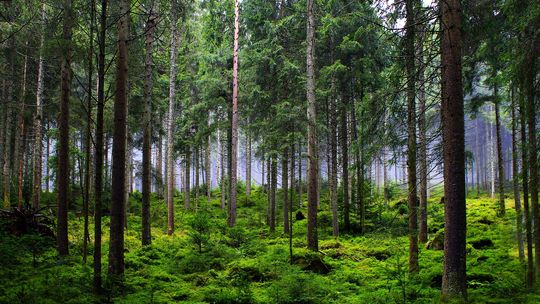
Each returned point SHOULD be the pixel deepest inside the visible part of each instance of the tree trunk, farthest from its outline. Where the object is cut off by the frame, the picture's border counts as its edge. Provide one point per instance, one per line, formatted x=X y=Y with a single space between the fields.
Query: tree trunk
x=530 y=76
x=412 y=198
x=63 y=133
x=345 y=167
x=248 y=165
x=454 y=284
x=300 y=186
x=515 y=173
x=170 y=120
x=87 y=144
x=273 y=190
x=285 y=188
x=525 y=180
x=36 y=192
x=333 y=168
x=19 y=140
x=187 y=198
x=98 y=184
x=313 y=157
x=500 y=164
x=207 y=164
x=222 y=169
x=147 y=126
x=6 y=170
x=118 y=204
x=422 y=231
x=234 y=123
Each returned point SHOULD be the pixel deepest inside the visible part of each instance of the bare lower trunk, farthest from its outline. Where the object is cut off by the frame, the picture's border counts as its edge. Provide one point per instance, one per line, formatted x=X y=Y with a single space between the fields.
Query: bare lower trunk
x=248 y=165
x=273 y=190
x=63 y=133
x=208 y=174
x=36 y=192
x=187 y=195
x=500 y=165
x=313 y=156
x=234 y=123
x=515 y=173
x=525 y=180
x=454 y=284
x=170 y=121
x=285 y=188
x=98 y=184
x=87 y=176
x=146 y=237
x=333 y=168
x=19 y=140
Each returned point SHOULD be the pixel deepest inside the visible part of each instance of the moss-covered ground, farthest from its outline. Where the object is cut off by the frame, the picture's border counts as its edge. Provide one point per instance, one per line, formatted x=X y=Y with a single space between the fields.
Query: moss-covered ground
x=206 y=262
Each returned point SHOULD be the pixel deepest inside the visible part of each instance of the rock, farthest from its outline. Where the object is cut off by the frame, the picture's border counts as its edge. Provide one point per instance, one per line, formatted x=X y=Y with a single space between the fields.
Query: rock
x=300 y=216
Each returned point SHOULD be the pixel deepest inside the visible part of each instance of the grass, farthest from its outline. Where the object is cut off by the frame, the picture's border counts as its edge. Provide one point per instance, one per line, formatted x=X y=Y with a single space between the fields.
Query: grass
x=206 y=262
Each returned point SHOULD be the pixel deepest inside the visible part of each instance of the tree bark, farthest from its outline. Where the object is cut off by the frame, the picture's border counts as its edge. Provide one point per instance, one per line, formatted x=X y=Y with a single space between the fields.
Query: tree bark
x=273 y=190
x=333 y=168
x=313 y=157
x=530 y=76
x=345 y=167
x=88 y=136
x=98 y=183
x=515 y=173
x=63 y=128
x=187 y=198
x=422 y=231
x=147 y=126
x=234 y=123
x=525 y=181
x=412 y=199
x=38 y=146
x=19 y=140
x=118 y=197
x=500 y=164
x=170 y=120
x=454 y=284
x=285 y=188
x=248 y=165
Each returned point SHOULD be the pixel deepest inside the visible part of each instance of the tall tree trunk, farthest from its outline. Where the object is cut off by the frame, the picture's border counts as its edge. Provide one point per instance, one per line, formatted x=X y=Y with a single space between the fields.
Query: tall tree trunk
x=273 y=190
x=6 y=170
x=500 y=164
x=333 y=168
x=530 y=76
x=38 y=146
x=454 y=283
x=412 y=198
x=477 y=155
x=147 y=126
x=187 y=197
x=19 y=140
x=248 y=165
x=422 y=231
x=159 y=167
x=47 y=153
x=170 y=119
x=285 y=188
x=515 y=173
x=88 y=137
x=234 y=123
x=222 y=169
x=207 y=164
x=197 y=175
x=63 y=127
x=118 y=204
x=300 y=186
x=345 y=167
x=313 y=157
x=525 y=180
x=98 y=184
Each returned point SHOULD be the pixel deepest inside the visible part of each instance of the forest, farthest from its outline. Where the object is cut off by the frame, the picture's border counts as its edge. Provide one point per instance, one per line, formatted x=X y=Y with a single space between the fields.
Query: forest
x=269 y=151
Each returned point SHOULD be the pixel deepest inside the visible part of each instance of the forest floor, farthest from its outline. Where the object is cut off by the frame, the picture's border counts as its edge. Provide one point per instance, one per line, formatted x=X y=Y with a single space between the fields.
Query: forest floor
x=206 y=262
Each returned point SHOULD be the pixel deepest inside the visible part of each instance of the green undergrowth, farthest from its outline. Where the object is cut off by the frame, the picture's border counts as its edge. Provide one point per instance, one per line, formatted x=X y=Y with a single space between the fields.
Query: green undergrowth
x=207 y=262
